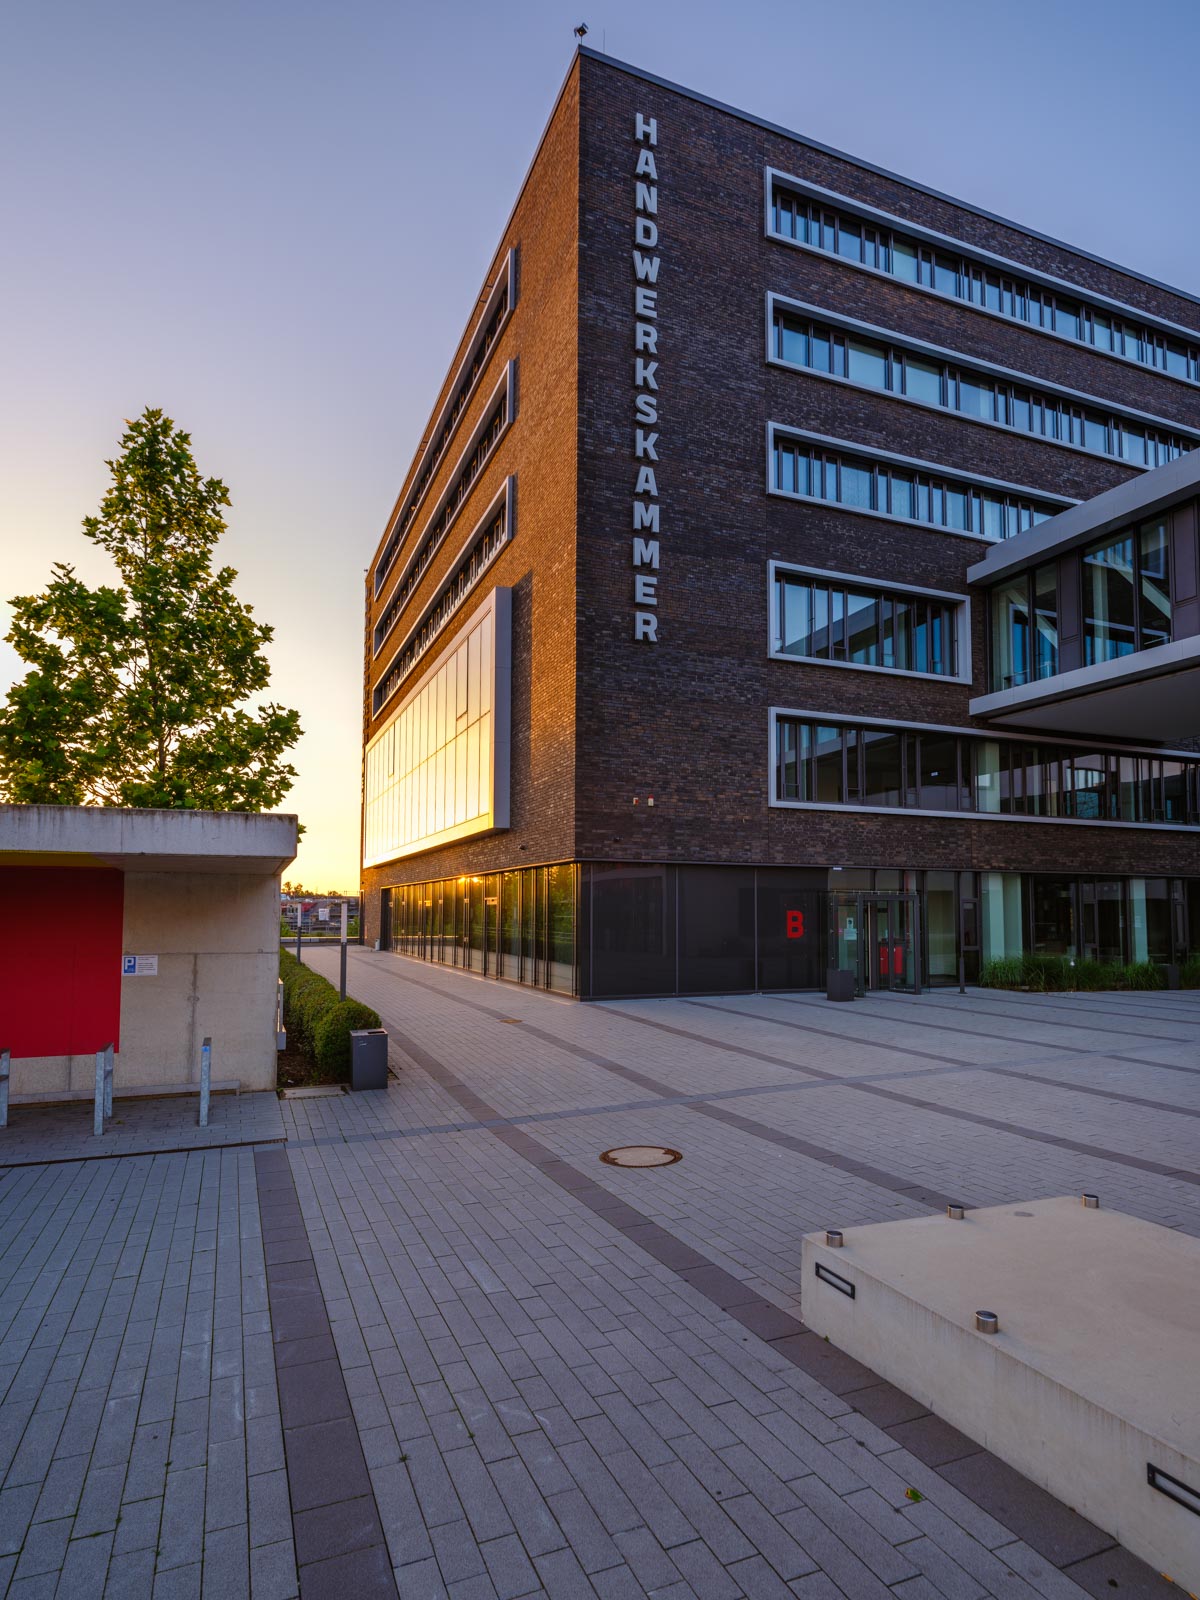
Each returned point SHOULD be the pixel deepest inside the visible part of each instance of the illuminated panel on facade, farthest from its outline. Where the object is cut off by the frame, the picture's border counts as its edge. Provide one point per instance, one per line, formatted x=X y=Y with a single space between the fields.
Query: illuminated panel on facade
x=438 y=770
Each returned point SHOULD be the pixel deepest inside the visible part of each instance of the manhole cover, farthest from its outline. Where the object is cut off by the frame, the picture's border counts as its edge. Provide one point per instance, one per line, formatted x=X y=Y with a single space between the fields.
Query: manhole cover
x=640 y=1155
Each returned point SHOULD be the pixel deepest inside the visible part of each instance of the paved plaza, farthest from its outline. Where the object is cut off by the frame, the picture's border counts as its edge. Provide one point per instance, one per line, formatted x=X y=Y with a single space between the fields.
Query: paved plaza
x=424 y=1343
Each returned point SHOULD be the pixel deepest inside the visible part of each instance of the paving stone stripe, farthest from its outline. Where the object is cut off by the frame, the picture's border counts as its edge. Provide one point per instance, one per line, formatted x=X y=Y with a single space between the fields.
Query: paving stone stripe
x=932 y=1027
x=1033 y=1004
x=149 y=1149
x=340 y=1547
x=832 y=1158
x=928 y=1004
x=997 y=1070
x=1065 y=1539
x=1120 y=1158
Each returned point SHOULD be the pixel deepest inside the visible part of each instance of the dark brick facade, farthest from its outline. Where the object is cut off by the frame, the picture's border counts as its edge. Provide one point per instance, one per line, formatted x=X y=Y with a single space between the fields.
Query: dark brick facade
x=599 y=719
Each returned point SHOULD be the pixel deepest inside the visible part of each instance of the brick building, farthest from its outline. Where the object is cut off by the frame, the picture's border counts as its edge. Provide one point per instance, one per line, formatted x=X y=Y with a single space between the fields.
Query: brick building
x=799 y=569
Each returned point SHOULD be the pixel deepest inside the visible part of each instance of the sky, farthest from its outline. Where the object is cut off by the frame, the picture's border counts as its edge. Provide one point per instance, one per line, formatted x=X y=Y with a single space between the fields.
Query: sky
x=272 y=219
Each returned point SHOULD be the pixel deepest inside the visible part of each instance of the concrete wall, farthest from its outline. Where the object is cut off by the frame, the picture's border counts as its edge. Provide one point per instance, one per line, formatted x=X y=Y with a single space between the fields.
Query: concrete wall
x=216 y=936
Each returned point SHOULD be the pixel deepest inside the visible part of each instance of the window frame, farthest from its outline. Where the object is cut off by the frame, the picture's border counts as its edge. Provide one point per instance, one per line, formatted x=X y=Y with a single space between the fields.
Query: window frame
x=1014 y=279
x=1041 y=397
x=972 y=485
x=882 y=590
x=1147 y=777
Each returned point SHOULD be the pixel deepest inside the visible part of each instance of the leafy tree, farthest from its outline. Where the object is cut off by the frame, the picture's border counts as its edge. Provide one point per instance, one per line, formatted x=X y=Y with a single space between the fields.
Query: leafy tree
x=133 y=697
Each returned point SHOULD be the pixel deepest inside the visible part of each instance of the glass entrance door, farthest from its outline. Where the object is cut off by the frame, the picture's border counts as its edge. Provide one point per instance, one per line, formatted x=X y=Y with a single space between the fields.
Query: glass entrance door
x=878 y=938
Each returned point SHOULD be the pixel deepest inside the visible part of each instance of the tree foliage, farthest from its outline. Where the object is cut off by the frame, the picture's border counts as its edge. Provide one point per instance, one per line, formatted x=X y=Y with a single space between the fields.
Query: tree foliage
x=134 y=694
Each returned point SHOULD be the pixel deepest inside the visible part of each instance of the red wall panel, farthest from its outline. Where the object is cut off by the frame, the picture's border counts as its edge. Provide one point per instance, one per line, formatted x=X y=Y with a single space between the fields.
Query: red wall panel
x=60 y=959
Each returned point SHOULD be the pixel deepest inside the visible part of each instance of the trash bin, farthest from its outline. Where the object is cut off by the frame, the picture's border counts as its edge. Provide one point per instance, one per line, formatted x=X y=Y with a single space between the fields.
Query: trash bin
x=368 y=1058
x=839 y=984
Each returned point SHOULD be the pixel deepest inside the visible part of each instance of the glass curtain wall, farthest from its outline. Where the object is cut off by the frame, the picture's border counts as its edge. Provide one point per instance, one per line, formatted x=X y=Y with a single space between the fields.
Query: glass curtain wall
x=659 y=929
x=515 y=925
x=1127 y=593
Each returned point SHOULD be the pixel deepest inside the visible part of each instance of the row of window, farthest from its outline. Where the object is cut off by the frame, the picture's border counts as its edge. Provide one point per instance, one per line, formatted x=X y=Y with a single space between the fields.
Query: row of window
x=515 y=925
x=803 y=341
x=1126 y=581
x=821 y=620
x=935 y=770
x=437 y=529
x=462 y=394
x=856 y=481
x=462 y=580
x=887 y=250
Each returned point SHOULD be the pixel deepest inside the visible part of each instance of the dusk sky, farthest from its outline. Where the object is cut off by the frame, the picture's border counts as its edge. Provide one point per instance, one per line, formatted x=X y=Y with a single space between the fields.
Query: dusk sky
x=272 y=220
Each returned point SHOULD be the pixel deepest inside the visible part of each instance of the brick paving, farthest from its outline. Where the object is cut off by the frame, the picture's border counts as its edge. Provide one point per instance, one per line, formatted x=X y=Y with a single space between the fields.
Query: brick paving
x=431 y=1346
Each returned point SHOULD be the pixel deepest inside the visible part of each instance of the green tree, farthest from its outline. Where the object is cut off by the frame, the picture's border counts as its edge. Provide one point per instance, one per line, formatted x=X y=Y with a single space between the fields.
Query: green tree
x=134 y=693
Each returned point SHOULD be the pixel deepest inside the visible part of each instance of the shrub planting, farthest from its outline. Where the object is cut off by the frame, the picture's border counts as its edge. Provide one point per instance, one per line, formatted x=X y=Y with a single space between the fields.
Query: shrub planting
x=318 y=1023
x=1059 y=974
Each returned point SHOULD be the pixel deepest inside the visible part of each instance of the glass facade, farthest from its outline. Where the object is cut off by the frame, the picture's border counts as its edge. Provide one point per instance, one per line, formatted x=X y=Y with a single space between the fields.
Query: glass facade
x=799 y=340
x=1123 y=586
x=1126 y=593
x=612 y=929
x=941 y=770
x=946 y=271
x=515 y=925
x=471 y=567
x=824 y=620
x=1024 y=628
x=811 y=471
x=430 y=774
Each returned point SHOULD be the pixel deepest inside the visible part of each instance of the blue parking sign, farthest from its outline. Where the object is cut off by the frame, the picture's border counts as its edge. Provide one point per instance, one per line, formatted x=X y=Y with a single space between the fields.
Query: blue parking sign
x=128 y=966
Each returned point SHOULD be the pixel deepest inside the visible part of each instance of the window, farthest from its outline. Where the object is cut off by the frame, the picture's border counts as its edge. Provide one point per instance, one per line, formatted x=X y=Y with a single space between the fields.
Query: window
x=800 y=340
x=1127 y=593
x=1024 y=628
x=486 y=439
x=941 y=770
x=478 y=354
x=485 y=544
x=814 y=471
x=824 y=619
x=962 y=276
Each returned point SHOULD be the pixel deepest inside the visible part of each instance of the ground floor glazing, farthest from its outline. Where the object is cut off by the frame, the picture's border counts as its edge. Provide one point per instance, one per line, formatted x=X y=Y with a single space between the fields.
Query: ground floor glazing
x=604 y=930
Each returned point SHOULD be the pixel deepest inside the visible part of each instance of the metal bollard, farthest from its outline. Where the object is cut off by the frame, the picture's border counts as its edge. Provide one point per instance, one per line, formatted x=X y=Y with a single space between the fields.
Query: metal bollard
x=98 y=1116
x=108 y=1079
x=5 y=1058
x=205 y=1080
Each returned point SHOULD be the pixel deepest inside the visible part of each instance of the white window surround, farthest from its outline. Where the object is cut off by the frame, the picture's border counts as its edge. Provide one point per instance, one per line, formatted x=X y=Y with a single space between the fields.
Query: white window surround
x=499 y=605
x=903 y=341
x=955 y=475
x=507 y=383
x=962 y=625
x=842 y=719
x=985 y=258
x=505 y=278
x=506 y=498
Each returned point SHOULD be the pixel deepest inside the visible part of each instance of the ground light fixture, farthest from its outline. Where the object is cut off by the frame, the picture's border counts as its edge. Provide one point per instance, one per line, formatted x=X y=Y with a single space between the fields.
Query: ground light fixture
x=835 y=1280
x=1173 y=1488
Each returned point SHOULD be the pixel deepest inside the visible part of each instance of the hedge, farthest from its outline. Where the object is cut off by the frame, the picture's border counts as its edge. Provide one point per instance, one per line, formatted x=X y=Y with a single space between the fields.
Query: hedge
x=1047 y=974
x=318 y=1023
